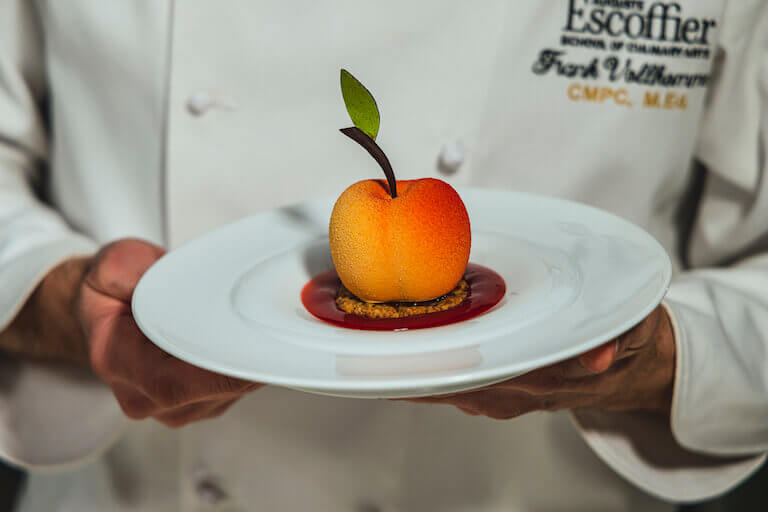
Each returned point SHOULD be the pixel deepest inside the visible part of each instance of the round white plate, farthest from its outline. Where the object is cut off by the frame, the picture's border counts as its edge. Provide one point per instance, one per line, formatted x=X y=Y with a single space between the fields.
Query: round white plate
x=229 y=300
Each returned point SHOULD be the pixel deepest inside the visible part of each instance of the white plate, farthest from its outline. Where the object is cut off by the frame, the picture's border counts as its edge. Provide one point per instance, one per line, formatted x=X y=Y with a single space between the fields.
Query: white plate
x=229 y=300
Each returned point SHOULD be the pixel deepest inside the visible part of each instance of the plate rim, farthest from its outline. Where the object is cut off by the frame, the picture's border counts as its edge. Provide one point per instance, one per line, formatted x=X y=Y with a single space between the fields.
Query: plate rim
x=390 y=385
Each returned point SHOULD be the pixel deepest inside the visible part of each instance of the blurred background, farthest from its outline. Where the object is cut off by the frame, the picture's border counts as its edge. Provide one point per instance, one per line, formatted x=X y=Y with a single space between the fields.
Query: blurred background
x=750 y=496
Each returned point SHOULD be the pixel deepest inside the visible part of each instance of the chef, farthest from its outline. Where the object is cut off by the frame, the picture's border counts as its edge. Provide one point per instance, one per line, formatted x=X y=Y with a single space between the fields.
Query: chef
x=128 y=128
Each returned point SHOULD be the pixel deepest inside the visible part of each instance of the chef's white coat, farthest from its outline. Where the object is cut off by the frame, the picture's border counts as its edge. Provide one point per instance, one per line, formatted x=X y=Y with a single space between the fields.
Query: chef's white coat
x=165 y=119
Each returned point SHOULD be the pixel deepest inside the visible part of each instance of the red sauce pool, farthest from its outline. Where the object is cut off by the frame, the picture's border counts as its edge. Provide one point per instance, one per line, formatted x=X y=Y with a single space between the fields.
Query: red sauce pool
x=486 y=288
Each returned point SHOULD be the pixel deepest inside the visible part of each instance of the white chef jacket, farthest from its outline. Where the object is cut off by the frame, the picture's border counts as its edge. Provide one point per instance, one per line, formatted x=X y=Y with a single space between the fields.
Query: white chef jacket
x=165 y=119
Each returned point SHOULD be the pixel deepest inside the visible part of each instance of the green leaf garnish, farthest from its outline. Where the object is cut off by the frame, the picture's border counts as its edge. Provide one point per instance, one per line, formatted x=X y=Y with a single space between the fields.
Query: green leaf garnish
x=360 y=104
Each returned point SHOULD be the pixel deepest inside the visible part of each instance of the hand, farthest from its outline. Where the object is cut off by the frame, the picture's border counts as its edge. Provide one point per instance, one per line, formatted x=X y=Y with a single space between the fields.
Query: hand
x=633 y=372
x=146 y=381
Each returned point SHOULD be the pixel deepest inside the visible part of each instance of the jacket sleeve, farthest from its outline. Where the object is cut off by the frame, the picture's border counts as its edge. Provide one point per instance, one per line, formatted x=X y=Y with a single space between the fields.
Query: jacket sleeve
x=719 y=308
x=48 y=415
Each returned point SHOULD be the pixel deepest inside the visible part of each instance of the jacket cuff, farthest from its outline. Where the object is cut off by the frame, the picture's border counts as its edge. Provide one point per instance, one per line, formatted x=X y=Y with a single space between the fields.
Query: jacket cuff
x=51 y=415
x=648 y=450
x=641 y=448
x=21 y=273
x=54 y=416
x=718 y=404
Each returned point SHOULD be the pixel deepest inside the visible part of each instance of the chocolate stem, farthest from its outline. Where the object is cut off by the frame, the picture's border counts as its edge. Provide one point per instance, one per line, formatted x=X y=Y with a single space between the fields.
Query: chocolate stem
x=376 y=152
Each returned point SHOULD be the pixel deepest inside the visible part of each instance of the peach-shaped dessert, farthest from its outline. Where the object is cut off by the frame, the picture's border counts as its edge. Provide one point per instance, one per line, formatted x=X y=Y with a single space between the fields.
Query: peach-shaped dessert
x=410 y=248
x=400 y=248
x=390 y=247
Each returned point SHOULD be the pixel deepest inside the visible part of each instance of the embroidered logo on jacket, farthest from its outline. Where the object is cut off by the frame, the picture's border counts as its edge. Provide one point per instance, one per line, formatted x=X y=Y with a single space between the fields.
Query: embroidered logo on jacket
x=606 y=46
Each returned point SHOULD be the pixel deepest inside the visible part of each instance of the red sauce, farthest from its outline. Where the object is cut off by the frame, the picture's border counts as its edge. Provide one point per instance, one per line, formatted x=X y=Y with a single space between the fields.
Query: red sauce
x=486 y=288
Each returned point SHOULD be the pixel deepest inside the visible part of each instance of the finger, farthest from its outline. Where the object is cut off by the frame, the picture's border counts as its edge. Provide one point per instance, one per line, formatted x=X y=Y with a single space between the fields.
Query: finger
x=126 y=355
x=497 y=403
x=189 y=413
x=180 y=383
x=96 y=311
x=601 y=358
x=121 y=353
x=638 y=337
x=447 y=400
x=110 y=280
x=220 y=409
x=443 y=397
x=180 y=416
x=566 y=376
x=423 y=399
x=133 y=403
x=117 y=267
x=569 y=375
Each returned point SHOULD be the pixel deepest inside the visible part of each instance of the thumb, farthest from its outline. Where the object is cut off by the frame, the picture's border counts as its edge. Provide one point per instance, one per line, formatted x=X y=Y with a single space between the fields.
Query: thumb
x=116 y=269
x=601 y=358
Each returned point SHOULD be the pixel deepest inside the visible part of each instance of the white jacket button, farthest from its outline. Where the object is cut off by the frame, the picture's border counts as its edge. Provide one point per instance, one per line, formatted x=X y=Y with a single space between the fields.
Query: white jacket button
x=199 y=103
x=451 y=157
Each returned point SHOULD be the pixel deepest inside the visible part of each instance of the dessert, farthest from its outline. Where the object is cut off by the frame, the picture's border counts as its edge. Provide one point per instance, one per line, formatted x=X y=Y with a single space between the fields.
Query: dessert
x=410 y=248
x=400 y=248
